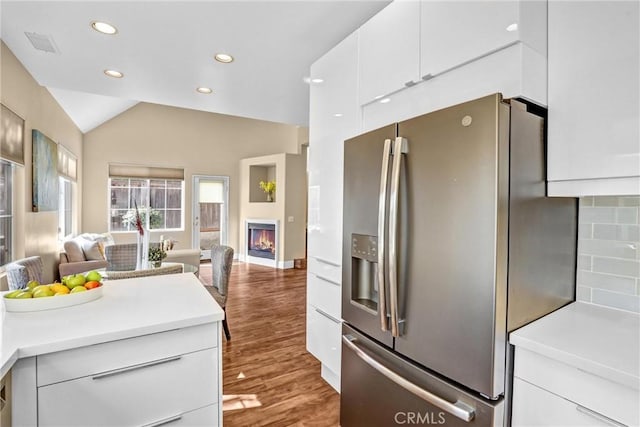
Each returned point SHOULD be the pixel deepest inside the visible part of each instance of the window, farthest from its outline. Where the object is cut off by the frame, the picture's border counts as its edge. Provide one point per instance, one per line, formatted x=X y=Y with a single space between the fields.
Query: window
x=6 y=212
x=165 y=197
x=65 y=209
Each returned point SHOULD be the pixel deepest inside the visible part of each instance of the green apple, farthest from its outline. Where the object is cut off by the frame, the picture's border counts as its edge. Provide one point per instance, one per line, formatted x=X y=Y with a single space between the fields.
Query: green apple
x=24 y=294
x=93 y=276
x=32 y=284
x=13 y=294
x=77 y=289
x=75 y=280
x=43 y=292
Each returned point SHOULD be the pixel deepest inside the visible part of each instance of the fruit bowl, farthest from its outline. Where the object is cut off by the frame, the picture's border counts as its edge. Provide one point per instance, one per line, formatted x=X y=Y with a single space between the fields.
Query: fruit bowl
x=50 y=303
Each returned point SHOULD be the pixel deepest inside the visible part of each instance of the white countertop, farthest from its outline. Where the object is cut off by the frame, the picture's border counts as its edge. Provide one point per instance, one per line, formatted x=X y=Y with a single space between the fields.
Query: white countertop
x=128 y=308
x=593 y=338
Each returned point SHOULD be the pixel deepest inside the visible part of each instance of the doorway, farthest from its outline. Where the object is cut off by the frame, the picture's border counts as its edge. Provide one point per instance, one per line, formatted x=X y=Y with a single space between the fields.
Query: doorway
x=210 y=212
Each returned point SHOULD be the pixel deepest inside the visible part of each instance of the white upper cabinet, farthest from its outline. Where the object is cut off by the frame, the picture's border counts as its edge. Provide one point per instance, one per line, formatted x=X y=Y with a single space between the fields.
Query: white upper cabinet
x=335 y=115
x=456 y=32
x=389 y=50
x=594 y=98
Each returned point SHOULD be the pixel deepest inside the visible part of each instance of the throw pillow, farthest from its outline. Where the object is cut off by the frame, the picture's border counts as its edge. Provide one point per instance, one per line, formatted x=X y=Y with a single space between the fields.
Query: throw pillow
x=92 y=251
x=74 y=251
x=17 y=277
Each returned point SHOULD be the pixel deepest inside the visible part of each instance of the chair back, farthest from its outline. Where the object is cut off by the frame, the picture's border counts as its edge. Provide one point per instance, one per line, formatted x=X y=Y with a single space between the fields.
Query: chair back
x=121 y=257
x=20 y=272
x=221 y=262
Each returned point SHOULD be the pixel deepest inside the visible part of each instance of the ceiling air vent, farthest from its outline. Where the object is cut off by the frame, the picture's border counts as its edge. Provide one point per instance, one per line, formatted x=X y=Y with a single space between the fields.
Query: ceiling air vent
x=42 y=42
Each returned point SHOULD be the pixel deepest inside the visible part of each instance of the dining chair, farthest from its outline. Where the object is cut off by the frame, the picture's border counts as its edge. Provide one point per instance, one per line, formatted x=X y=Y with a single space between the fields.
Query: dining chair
x=221 y=263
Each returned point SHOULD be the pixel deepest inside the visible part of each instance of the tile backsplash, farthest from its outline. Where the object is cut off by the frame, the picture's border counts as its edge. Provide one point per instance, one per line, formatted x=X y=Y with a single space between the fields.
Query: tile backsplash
x=609 y=252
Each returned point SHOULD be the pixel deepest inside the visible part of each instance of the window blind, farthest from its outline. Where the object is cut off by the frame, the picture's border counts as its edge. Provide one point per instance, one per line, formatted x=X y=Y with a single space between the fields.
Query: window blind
x=144 y=172
x=11 y=136
x=67 y=164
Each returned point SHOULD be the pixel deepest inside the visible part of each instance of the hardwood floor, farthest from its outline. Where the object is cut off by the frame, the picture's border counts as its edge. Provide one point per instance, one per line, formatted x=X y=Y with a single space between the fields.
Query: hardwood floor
x=269 y=378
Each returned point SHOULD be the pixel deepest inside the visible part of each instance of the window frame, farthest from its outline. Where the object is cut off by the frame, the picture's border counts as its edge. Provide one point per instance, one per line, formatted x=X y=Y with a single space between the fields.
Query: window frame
x=146 y=190
x=66 y=187
x=8 y=195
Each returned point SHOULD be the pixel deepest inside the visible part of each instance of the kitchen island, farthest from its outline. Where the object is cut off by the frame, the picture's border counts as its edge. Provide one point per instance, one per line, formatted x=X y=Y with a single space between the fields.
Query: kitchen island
x=146 y=353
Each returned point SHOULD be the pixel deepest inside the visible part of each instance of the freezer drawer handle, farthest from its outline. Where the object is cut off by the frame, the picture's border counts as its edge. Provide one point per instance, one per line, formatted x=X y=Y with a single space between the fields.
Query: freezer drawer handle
x=599 y=417
x=458 y=409
x=382 y=220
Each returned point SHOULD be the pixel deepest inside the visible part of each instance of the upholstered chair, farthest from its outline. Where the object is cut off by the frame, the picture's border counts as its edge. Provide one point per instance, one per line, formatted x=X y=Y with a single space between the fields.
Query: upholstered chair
x=221 y=262
x=20 y=272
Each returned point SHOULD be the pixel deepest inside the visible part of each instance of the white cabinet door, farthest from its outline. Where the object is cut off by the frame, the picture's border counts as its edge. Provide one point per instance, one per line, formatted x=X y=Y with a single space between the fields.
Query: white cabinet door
x=594 y=97
x=324 y=333
x=454 y=33
x=389 y=50
x=334 y=117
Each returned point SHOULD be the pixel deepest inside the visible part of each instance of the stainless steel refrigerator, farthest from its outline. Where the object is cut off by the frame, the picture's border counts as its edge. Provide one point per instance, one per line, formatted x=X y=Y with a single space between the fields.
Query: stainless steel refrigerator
x=449 y=245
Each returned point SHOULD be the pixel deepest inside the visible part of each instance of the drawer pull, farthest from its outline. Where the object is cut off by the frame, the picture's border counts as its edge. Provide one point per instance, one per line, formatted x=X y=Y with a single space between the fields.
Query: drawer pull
x=328 y=316
x=326 y=279
x=164 y=421
x=326 y=261
x=599 y=417
x=136 y=367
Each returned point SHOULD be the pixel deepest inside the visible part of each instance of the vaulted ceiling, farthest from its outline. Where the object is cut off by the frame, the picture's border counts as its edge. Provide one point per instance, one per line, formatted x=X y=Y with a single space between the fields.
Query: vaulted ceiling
x=166 y=50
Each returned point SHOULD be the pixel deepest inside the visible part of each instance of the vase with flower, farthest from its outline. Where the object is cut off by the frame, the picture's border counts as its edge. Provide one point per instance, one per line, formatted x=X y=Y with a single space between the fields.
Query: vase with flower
x=269 y=187
x=142 y=250
x=156 y=255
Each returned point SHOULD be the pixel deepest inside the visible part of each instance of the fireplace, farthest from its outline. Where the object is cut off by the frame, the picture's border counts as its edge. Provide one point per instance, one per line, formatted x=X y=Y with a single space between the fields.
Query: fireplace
x=261 y=240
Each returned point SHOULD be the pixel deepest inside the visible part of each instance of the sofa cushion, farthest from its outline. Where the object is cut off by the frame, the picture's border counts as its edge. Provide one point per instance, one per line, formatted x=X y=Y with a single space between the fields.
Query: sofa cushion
x=74 y=251
x=92 y=250
x=17 y=277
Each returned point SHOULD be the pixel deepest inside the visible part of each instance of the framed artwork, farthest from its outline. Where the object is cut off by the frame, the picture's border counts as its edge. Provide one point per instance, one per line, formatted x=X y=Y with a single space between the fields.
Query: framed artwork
x=45 y=173
x=11 y=136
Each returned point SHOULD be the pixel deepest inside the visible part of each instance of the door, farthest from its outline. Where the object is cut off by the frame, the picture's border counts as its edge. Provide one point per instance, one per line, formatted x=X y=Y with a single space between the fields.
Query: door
x=381 y=389
x=363 y=157
x=210 y=212
x=453 y=235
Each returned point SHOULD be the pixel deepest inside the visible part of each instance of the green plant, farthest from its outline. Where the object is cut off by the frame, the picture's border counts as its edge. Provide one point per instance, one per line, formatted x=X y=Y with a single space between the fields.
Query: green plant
x=156 y=254
x=268 y=187
x=155 y=219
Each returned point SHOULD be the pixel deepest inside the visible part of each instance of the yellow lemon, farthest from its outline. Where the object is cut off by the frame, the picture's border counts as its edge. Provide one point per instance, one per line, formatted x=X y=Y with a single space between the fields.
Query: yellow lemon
x=59 y=288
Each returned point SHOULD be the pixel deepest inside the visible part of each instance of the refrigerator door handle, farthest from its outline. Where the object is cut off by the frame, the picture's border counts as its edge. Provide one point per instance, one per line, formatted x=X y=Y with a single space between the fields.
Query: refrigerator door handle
x=400 y=147
x=458 y=409
x=382 y=219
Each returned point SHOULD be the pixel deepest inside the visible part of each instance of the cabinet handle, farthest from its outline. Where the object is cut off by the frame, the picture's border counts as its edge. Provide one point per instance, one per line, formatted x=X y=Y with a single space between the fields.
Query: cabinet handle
x=326 y=279
x=136 y=367
x=164 y=421
x=410 y=83
x=598 y=416
x=328 y=316
x=326 y=261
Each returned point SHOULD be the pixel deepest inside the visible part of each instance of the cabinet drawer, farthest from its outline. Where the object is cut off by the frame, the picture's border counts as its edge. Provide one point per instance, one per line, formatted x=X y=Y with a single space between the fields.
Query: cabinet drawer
x=327 y=268
x=83 y=361
x=533 y=406
x=137 y=396
x=324 y=294
x=323 y=337
x=207 y=416
x=611 y=399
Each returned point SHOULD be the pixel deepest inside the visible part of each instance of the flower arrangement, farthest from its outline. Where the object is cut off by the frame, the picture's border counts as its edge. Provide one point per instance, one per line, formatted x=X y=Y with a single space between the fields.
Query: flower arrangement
x=268 y=187
x=156 y=254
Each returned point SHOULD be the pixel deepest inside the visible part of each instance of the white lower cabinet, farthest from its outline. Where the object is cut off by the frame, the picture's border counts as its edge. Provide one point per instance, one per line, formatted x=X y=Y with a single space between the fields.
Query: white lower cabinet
x=169 y=377
x=548 y=392
x=538 y=407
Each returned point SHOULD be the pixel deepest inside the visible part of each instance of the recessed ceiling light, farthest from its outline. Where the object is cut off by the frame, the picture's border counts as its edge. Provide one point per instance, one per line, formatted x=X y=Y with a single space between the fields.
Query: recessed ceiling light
x=385 y=100
x=337 y=115
x=104 y=27
x=114 y=73
x=204 y=90
x=225 y=58
x=513 y=27
x=317 y=80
